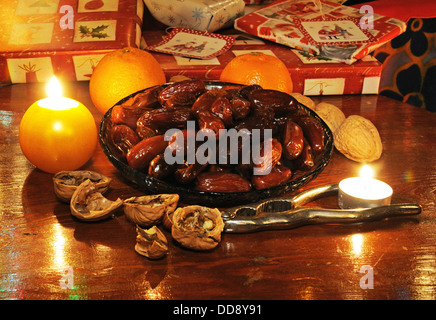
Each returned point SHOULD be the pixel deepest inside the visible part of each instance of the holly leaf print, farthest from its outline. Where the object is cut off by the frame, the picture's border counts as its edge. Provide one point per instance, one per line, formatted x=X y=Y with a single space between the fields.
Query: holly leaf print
x=94 y=32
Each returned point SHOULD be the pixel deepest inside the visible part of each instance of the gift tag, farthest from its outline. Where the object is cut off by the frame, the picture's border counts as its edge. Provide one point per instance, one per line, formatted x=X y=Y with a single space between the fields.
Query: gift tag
x=345 y=31
x=193 y=44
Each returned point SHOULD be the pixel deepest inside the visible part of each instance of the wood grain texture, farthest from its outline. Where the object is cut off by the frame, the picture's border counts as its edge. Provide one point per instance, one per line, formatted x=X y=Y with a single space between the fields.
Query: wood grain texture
x=40 y=239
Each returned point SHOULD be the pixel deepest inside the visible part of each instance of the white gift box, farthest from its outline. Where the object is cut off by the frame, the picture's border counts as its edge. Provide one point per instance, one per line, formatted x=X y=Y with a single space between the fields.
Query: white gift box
x=204 y=15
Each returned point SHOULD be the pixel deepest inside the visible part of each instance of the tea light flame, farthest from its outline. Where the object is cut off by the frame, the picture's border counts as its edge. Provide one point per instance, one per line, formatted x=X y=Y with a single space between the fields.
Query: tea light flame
x=54 y=88
x=366 y=172
x=55 y=100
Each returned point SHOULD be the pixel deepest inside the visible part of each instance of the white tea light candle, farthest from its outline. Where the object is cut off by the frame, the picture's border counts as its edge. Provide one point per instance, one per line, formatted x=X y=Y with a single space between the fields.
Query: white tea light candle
x=363 y=191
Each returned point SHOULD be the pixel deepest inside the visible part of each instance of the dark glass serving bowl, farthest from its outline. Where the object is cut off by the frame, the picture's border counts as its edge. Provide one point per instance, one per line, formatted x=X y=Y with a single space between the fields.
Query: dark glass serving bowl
x=188 y=195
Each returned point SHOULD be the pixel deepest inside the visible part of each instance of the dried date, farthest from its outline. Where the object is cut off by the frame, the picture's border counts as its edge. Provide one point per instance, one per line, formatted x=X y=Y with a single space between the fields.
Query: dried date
x=187 y=173
x=159 y=167
x=140 y=156
x=181 y=99
x=123 y=138
x=278 y=175
x=195 y=87
x=240 y=107
x=209 y=121
x=204 y=101
x=281 y=102
x=183 y=142
x=147 y=98
x=313 y=132
x=218 y=168
x=145 y=132
x=261 y=119
x=222 y=182
x=292 y=139
x=163 y=119
x=126 y=114
x=268 y=160
x=306 y=160
x=245 y=91
x=221 y=107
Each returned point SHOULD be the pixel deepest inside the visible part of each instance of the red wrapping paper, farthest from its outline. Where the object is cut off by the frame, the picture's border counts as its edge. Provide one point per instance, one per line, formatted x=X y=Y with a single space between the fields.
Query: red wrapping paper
x=325 y=78
x=34 y=45
x=403 y=10
x=321 y=27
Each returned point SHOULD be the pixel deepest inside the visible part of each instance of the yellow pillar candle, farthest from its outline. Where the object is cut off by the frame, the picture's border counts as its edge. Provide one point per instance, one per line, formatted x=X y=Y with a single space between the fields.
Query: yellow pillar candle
x=57 y=133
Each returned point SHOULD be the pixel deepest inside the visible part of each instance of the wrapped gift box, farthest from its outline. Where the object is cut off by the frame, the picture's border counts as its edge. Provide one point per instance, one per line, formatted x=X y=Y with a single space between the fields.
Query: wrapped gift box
x=203 y=15
x=322 y=28
x=310 y=75
x=67 y=38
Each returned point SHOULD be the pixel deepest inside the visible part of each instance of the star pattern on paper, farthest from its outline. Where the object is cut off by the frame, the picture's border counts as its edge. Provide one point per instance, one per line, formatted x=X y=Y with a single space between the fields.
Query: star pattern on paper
x=197 y=13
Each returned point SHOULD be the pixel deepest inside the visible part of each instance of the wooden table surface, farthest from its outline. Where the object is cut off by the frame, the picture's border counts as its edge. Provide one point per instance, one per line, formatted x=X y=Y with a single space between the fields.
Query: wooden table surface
x=40 y=241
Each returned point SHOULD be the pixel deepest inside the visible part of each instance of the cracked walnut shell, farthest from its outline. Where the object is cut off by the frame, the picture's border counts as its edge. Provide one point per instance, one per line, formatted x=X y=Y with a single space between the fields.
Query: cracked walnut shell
x=151 y=243
x=358 y=139
x=197 y=227
x=88 y=204
x=149 y=210
x=66 y=182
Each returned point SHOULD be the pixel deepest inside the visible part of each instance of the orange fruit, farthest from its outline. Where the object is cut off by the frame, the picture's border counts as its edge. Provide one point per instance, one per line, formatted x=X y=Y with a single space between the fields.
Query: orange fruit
x=258 y=68
x=121 y=73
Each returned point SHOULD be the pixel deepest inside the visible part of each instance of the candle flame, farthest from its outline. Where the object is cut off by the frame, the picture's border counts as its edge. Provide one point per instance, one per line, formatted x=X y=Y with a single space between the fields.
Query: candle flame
x=55 y=100
x=366 y=172
x=54 y=88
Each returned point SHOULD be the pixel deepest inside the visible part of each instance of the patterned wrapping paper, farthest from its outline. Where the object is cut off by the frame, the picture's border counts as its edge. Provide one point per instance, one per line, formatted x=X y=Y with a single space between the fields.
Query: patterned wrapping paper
x=257 y=2
x=34 y=46
x=264 y=2
x=321 y=28
x=311 y=76
x=203 y=15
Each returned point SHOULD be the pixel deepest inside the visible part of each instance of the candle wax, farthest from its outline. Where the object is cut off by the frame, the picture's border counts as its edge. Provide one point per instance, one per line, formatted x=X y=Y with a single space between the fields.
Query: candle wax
x=362 y=192
x=58 y=103
x=58 y=133
x=366 y=188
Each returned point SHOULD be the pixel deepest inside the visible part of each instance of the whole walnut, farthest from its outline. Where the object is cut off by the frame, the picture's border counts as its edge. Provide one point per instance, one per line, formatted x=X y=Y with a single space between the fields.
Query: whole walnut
x=332 y=115
x=358 y=139
x=304 y=100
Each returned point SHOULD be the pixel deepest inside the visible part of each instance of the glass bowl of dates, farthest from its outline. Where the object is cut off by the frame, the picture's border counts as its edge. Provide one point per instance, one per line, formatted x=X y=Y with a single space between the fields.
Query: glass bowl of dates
x=214 y=143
